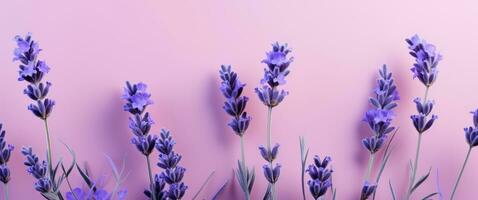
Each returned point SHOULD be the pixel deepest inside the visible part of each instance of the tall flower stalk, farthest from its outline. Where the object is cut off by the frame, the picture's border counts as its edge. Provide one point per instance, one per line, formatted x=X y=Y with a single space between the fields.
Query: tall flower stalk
x=471 y=135
x=425 y=69
x=32 y=70
x=137 y=99
x=277 y=62
x=235 y=104
x=379 y=119
x=5 y=153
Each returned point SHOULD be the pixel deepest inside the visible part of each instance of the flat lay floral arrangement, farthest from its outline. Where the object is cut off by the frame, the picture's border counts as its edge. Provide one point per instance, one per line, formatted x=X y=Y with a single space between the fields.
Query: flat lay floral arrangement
x=50 y=176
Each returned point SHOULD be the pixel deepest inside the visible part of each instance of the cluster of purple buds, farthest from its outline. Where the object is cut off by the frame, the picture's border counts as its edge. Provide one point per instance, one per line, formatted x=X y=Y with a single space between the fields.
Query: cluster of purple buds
x=5 y=153
x=38 y=169
x=274 y=75
x=137 y=99
x=271 y=173
x=426 y=60
x=471 y=133
x=96 y=194
x=379 y=118
x=420 y=121
x=33 y=70
x=367 y=190
x=320 y=177
x=235 y=104
x=172 y=174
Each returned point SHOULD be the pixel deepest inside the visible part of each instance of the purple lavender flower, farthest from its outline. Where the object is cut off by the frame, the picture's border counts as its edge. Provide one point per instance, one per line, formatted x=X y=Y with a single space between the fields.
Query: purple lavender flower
x=137 y=98
x=425 y=69
x=373 y=143
x=90 y=194
x=272 y=174
x=318 y=188
x=426 y=60
x=420 y=120
x=367 y=190
x=235 y=104
x=274 y=75
x=321 y=176
x=386 y=92
x=380 y=117
x=269 y=154
x=471 y=133
x=38 y=169
x=33 y=70
x=172 y=174
x=159 y=185
x=177 y=191
x=5 y=153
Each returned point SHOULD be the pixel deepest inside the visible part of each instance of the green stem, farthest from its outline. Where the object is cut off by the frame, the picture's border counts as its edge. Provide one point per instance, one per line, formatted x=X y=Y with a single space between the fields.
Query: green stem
x=5 y=188
x=269 y=122
x=151 y=185
x=461 y=173
x=415 y=166
x=47 y=130
x=370 y=165
x=244 y=169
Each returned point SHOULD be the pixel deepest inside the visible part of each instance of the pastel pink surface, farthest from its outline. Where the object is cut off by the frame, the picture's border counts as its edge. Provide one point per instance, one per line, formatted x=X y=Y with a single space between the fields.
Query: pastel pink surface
x=176 y=47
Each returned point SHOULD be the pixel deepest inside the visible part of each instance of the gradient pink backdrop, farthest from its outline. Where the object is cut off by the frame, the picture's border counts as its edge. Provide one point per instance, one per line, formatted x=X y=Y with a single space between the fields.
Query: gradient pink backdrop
x=177 y=47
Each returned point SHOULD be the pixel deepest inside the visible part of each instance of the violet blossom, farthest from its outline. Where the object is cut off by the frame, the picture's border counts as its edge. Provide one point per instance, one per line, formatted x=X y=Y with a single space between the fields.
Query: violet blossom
x=32 y=70
x=5 y=153
x=320 y=177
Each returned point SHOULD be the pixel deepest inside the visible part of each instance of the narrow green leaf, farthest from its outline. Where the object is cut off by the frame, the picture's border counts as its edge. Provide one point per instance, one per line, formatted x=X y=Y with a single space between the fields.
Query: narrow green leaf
x=430 y=196
x=267 y=195
x=391 y=190
x=420 y=181
x=203 y=185
x=219 y=192
x=86 y=178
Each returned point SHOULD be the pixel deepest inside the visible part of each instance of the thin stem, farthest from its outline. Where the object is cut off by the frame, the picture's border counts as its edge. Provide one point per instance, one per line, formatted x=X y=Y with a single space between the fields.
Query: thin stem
x=370 y=165
x=415 y=166
x=269 y=122
x=461 y=173
x=47 y=130
x=151 y=185
x=244 y=169
x=5 y=188
x=426 y=94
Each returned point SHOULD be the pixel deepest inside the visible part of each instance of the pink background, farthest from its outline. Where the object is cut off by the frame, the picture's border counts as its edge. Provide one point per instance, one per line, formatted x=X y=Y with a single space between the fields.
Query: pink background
x=177 y=47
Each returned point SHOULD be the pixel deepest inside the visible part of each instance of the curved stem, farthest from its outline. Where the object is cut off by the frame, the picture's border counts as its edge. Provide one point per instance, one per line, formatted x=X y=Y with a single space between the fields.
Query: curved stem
x=370 y=165
x=50 y=166
x=151 y=183
x=5 y=188
x=461 y=173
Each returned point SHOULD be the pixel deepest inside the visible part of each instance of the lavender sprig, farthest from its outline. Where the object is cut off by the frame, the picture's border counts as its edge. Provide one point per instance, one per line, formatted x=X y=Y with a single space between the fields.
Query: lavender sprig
x=32 y=70
x=172 y=174
x=38 y=169
x=471 y=135
x=425 y=69
x=320 y=177
x=277 y=69
x=137 y=99
x=235 y=104
x=379 y=118
x=5 y=153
